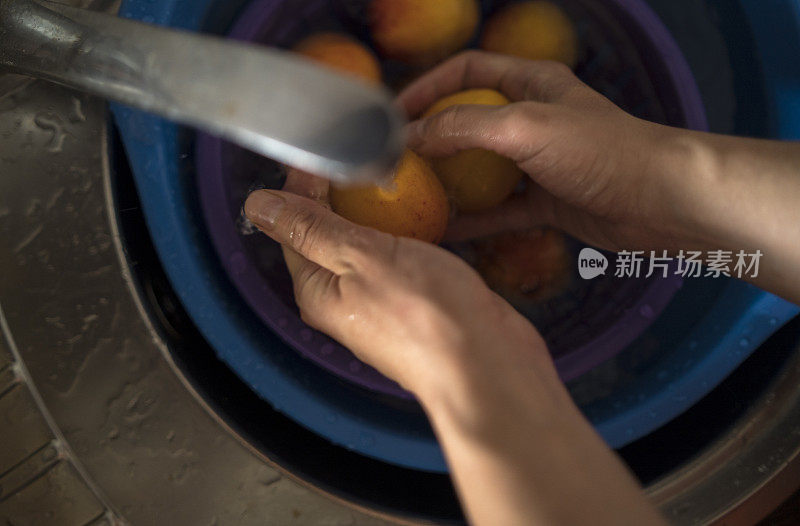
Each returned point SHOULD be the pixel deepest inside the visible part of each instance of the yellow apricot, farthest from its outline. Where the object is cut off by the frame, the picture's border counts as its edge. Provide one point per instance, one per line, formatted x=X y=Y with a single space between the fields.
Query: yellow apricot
x=413 y=205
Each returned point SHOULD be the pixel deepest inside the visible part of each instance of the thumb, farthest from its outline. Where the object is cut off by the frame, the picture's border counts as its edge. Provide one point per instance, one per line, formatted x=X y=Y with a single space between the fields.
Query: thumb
x=316 y=188
x=307 y=185
x=506 y=130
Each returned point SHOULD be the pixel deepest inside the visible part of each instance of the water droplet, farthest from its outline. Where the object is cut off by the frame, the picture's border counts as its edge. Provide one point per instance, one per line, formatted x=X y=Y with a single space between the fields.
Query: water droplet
x=51 y=124
x=34 y=208
x=49 y=454
x=245 y=226
x=76 y=115
x=133 y=403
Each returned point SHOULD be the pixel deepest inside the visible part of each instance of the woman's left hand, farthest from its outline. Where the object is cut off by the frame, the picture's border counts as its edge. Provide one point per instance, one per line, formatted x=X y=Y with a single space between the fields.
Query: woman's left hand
x=414 y=311
x=520 y=451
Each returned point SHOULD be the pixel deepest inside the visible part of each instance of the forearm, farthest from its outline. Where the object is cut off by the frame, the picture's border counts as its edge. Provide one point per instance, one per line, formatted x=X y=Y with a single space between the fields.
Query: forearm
x=521 y=453
x=739 y=194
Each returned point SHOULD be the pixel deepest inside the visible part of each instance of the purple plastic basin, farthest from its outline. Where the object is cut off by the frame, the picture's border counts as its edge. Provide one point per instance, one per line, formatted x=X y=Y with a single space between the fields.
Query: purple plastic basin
x=629 y=56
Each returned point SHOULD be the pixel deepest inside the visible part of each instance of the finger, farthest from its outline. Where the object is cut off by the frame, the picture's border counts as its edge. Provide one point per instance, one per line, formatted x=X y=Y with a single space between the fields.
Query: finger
x=315 y=232
x=514 y=214
x=316 y=289
x=307 y=185
x=517 y=78
x=515 y=131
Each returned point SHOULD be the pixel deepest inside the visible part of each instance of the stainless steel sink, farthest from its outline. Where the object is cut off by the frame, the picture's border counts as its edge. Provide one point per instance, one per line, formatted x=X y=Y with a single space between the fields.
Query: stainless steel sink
x=100 y=425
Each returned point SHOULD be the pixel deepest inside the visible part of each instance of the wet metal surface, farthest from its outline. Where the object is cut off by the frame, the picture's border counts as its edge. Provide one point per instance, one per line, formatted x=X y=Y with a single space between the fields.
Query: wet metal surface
x=136 y=438
x=749 y=470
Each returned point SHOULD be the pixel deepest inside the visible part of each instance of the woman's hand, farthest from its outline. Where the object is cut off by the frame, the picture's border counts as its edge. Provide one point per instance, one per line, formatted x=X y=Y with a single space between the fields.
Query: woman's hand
x=519 y=450
x=596 y=169
x=610 y=179
x=416 y=312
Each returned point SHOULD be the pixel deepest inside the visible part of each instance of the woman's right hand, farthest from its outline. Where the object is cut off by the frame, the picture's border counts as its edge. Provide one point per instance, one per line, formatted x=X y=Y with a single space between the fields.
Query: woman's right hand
x=610 y=179
x=597 y=170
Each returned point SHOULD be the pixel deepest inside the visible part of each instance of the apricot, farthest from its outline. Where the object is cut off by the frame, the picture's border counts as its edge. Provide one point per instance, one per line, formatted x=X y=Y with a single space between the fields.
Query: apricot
x=534 y=264
x=422 y=31
x=413 y=204
x=536 y=30
x=342 y=53
x=475 y=179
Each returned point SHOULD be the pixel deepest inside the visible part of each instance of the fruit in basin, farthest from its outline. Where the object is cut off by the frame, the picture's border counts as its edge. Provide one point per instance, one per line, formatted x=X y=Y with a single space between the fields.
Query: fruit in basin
x=475 y=179
x=342 y=53
x=413 y=204
x=422 y=31
x=537 y=30
x=533 y=264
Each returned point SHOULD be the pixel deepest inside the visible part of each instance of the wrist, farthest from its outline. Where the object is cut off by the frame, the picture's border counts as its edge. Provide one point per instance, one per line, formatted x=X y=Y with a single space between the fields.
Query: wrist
x=691 y=189
x=473 y=392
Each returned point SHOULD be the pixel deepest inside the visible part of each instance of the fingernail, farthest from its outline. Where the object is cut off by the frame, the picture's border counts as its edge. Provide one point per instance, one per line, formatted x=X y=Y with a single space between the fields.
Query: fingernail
x=263 y=208
x=414 y=132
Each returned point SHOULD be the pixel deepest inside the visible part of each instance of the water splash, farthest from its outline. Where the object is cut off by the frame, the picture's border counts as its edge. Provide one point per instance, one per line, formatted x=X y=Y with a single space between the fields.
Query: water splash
x=245 y=226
